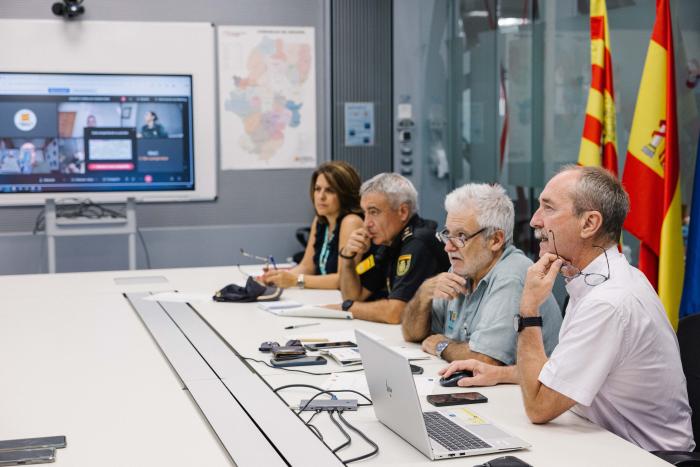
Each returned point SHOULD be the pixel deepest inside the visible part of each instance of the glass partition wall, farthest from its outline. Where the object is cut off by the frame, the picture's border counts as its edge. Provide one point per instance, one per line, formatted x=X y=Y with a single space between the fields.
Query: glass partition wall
x=518 y=73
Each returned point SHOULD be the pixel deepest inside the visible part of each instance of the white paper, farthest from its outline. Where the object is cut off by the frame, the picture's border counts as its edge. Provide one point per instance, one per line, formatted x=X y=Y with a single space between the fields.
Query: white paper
x=180 y=297
x=357 y=381
x=411 y=353
x=279 y=305
x=334 y=336
x=354 y=381
x=426 y=384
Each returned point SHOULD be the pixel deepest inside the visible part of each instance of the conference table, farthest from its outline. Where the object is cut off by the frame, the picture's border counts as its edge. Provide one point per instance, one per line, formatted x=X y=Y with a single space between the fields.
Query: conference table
x=133 y=381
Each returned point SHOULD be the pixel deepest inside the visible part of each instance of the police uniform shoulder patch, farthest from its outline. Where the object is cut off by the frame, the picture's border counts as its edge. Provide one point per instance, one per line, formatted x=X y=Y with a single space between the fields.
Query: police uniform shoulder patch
x=365 y=265
x=403 y=265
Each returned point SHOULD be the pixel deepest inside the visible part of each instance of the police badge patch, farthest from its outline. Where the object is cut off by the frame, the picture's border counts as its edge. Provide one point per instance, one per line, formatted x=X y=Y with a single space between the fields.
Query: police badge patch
x=403 y=265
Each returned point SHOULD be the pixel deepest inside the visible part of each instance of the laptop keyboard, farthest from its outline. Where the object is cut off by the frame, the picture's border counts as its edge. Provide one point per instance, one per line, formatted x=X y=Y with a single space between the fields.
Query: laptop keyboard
x=451 y=435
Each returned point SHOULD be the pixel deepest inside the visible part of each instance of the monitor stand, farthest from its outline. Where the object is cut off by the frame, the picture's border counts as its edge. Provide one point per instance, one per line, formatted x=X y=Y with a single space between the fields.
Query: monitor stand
x=57 y=226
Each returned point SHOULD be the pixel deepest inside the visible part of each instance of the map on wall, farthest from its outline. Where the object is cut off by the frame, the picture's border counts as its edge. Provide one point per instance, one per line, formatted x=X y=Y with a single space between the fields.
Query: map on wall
x=267 y=93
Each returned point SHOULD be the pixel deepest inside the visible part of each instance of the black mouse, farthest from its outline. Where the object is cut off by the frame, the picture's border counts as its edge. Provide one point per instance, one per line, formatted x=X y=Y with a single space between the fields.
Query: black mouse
x=451 y=380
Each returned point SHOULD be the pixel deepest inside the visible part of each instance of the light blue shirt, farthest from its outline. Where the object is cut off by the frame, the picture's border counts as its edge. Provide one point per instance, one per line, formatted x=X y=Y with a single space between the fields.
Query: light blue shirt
x=484 y=318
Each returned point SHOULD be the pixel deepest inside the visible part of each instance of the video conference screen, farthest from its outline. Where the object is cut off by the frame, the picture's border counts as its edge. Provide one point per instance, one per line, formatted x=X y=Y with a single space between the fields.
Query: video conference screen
x=95 y=132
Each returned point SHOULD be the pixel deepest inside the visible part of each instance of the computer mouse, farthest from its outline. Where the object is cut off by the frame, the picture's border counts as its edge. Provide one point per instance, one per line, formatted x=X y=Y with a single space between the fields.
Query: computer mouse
x=451 y=380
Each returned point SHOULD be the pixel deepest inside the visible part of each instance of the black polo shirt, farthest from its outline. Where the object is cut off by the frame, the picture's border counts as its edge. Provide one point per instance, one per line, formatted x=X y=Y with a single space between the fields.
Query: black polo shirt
x=396 y=271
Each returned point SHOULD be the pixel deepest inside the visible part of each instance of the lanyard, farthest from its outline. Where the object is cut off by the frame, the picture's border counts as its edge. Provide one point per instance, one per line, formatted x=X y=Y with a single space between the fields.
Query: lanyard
x=325 y=251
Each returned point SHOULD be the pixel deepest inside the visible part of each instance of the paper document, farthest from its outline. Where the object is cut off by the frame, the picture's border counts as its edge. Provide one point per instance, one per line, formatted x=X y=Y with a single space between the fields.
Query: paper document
x=304 y=311
x=411 y=353
x=345 y=356
x=279 y=305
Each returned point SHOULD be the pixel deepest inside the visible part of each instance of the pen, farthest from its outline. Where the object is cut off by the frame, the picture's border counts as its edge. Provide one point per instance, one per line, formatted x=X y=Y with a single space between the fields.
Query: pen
x=294 y=326
x=272 y=260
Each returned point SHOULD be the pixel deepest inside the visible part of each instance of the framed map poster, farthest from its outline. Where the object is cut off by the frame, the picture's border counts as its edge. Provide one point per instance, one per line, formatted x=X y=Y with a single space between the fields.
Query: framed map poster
x=267 y=97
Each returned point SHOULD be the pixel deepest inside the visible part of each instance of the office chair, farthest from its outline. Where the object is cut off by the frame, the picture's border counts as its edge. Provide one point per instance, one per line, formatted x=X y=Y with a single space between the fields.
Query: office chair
x=302 y=235
x=688 y=336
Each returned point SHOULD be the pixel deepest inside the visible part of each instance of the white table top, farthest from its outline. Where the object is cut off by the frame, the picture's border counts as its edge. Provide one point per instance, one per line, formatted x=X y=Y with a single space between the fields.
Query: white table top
x=78 y=362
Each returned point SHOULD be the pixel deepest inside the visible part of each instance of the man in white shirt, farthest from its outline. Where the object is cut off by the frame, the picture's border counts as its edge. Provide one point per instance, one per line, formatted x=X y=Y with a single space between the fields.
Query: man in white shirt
x=617 y=361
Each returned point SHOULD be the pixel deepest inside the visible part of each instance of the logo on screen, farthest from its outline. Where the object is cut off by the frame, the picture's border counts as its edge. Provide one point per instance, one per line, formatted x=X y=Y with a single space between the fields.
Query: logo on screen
x=25 y=120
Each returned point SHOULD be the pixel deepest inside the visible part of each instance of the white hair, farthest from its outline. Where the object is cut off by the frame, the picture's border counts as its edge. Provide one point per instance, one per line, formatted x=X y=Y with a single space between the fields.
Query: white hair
x=397 y=188
x=494 y=209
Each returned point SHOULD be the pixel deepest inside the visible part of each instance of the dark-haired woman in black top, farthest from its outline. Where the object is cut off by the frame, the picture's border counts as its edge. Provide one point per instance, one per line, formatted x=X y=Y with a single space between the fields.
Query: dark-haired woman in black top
x=334 y=190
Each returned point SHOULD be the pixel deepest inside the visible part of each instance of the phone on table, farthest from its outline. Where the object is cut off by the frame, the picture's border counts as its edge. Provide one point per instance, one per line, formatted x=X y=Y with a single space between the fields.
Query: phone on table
x=43 y=442
x=303 y=361
x=27 y=456
x=288 y=352
x=457 y=398
x=329 y=345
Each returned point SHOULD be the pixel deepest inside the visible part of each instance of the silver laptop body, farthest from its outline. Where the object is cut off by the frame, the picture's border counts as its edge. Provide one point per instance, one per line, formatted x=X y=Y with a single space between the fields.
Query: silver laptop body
x=397 y=406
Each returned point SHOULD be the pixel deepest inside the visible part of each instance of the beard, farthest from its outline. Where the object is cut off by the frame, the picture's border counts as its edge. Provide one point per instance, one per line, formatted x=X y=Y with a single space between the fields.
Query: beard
x=475 y=263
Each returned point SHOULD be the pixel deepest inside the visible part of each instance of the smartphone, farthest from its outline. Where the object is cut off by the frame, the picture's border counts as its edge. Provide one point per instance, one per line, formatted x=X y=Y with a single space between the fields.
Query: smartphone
x=304 y=361
x=288 y=352
x=33 y=443
x=27 y=456
x=329 y=345
x=457 y=398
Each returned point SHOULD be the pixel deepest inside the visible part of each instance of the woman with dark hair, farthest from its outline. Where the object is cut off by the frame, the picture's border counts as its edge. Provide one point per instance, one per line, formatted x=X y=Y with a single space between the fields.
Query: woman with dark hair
x=335 y=194
x=152 y=127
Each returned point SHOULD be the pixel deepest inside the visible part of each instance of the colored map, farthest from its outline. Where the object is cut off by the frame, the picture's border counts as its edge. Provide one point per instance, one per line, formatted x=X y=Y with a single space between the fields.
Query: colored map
x=267 y=92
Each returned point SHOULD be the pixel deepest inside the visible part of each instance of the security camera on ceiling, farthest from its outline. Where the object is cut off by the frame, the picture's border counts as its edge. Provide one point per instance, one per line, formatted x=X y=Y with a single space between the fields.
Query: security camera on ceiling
x=69 y=9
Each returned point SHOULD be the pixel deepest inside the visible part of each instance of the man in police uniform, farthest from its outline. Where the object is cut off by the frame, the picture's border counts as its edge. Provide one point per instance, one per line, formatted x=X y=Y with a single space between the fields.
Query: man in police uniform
x=384 y=262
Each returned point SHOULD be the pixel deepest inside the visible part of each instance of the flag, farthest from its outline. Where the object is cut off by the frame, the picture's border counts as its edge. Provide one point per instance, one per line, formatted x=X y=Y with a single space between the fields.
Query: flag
x=651 y=169
x=599 y=141
x=691 y=291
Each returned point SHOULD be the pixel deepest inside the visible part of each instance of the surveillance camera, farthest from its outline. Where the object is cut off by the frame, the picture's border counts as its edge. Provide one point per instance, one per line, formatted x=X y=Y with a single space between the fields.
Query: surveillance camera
x=69 y=9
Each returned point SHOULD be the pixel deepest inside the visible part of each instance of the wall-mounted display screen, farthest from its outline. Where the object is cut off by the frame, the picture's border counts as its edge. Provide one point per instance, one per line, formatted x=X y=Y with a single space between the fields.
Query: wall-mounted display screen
x=95 y=133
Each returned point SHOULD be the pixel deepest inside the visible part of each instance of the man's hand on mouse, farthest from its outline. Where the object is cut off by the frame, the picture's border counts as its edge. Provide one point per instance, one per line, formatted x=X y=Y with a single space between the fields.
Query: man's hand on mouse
x=484 y=374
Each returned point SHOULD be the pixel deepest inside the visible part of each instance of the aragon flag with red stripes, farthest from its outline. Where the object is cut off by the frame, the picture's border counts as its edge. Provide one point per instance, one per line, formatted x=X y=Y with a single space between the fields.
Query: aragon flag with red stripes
x=599 y=141
x=651 y=174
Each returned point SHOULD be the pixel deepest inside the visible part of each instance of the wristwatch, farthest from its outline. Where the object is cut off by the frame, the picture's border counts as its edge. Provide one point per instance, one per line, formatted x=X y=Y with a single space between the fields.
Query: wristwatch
x=300 y=281
x=521 y=322
x=440 y=347
x=346 y=305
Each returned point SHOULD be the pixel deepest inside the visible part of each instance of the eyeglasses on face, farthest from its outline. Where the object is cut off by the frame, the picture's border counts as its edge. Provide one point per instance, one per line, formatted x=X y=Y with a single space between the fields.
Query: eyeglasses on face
x=569 y=271
x=458 y=241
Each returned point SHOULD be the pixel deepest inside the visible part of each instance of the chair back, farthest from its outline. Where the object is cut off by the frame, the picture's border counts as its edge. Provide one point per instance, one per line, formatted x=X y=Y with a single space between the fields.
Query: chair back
x=688 y=339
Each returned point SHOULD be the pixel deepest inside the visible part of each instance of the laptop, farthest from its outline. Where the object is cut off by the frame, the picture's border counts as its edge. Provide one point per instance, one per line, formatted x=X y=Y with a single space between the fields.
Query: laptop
x=456 y=431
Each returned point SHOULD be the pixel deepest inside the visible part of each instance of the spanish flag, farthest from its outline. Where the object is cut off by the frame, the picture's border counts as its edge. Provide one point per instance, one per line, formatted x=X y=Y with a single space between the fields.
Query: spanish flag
x=599 y=141
x=651 y=169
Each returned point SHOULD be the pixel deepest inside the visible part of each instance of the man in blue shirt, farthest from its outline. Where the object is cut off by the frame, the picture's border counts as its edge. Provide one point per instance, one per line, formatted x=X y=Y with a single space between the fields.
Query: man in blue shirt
x=468 y=312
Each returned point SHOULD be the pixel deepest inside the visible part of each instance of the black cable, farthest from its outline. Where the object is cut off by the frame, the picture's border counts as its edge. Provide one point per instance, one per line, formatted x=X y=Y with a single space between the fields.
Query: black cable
x=313 y=428
x=299 y=371
x=348 y=440
x=363 y=436
x=298 y=386
x=145 y=249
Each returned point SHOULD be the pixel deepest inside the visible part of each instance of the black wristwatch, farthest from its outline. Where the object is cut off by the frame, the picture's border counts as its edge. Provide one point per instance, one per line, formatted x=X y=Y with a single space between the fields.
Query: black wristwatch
x=346 y=305
x=521 y=322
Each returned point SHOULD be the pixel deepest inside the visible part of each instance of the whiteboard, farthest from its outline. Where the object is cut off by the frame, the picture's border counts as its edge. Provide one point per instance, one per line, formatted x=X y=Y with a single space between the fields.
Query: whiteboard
x=120 y=48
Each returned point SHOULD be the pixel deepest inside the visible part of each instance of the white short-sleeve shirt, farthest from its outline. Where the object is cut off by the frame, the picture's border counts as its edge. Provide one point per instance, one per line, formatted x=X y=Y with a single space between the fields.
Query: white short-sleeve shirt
x=618 y=359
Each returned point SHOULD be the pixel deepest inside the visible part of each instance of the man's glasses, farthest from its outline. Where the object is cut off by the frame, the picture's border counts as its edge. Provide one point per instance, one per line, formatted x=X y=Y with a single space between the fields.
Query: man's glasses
x=569 y=271
x=458 y=241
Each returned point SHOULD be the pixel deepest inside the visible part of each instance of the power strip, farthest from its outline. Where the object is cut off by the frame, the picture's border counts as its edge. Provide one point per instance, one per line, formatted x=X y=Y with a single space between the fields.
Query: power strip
x=329 y=405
